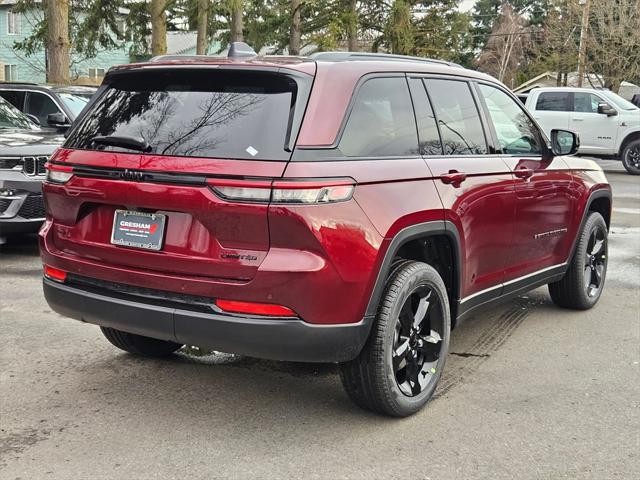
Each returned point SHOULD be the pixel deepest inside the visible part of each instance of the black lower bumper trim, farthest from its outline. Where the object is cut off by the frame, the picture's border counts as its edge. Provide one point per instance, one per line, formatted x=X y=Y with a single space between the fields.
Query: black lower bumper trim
x=276 y=339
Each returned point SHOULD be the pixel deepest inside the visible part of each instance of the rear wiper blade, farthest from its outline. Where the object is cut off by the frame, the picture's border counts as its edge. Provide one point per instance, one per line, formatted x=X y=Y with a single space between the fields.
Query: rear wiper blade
x=131 y=143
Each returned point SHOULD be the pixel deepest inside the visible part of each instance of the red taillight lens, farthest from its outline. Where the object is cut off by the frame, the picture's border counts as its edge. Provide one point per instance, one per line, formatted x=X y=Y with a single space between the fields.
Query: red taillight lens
x=55 y=273
x=294 y=191
x=59 y=174
x=252 y=308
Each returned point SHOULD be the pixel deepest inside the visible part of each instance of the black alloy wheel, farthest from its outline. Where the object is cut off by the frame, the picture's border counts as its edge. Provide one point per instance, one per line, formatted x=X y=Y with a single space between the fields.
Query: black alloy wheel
x=595 y=261
x=418 y=341
x=631 y=157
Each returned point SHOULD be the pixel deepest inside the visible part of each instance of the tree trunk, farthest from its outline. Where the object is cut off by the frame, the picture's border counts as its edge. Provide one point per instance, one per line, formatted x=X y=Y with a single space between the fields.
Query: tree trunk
x=158 y=27
x=58 y=46
x=352 y=26
x=202 y=39
x=236 y=21
x=295 y=32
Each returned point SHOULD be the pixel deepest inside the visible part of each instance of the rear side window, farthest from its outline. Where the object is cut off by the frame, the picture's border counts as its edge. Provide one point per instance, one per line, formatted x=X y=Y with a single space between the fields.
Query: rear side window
x=554 y=101
x=14 y=97
x=458 y=118
x=205 y=113
x=428 y=135
x=381 y=122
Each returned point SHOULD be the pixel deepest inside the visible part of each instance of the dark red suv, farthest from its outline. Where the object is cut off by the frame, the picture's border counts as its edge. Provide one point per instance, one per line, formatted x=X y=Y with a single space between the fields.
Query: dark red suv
x=342 y=208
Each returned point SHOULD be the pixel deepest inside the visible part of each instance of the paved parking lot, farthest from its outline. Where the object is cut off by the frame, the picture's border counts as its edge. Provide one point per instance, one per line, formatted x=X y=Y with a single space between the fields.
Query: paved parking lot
x=529 y=391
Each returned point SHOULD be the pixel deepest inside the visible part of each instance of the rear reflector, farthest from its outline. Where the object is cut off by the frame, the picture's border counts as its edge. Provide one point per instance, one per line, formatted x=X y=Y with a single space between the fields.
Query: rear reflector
x=233 y=306
x=55 y=273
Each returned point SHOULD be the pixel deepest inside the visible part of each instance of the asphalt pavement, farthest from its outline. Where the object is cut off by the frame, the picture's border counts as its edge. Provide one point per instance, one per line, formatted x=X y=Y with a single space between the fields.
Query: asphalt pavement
x=530 y=391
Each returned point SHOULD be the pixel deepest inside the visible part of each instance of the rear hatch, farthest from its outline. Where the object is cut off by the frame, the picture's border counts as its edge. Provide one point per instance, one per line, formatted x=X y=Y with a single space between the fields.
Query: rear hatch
x=147 y=157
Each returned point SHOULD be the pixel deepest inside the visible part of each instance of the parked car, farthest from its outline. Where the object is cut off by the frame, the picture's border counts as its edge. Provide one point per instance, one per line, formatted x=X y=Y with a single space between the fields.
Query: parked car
x=346 y=208
x=608 y=124
x=636 y=100
x=24 y=150
x=54 y=107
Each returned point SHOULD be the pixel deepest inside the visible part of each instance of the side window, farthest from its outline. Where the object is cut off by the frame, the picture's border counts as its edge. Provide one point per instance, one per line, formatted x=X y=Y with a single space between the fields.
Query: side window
x=457 y=116
x=14 y=97
x=586 y=102
x=554 y=102
x=428 y=136
x=40 y=105
x=381 y=122
x=517 y=134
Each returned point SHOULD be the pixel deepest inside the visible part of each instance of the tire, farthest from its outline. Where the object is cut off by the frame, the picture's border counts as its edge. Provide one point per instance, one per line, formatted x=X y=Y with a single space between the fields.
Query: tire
x=589 y=264
x=411 y=328
x=139 y=345
x=631 y=157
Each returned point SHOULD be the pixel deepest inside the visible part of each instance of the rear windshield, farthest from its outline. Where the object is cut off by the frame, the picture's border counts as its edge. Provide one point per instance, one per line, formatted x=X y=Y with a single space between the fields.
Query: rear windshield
x=205 y=113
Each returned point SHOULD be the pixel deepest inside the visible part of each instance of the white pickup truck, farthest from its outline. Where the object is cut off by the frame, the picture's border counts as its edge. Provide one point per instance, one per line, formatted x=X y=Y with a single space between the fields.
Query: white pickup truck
x=608 y=125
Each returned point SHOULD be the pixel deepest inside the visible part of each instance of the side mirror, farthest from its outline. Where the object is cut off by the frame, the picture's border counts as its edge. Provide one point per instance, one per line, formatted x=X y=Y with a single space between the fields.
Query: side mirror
x=33 y=118
x=564 y=142
x=58 y=120
x=606 y=109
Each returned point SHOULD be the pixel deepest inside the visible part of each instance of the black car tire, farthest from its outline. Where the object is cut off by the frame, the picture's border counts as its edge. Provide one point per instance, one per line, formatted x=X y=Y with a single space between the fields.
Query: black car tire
x=631 y=157
x=372 y=380
x=589 y=263
x=138 y=344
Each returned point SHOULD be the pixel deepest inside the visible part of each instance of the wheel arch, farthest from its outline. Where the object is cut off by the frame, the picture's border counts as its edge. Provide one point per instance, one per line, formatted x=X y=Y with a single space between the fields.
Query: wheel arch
x=599 y=201
x=436 y=243
x=629 y=138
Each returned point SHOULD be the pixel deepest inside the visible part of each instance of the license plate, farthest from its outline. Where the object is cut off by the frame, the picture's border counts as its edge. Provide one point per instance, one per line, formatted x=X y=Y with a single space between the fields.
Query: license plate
x=138 y=229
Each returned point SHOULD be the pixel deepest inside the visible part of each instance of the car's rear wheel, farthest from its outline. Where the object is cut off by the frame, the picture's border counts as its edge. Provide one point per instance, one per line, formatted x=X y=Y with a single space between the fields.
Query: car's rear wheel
x=138 y=344
x=631 y=157
x=582 y=285
x=400 y=366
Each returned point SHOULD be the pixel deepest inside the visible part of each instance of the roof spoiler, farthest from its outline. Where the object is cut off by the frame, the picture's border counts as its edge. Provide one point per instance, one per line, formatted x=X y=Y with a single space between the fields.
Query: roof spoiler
x=240 y=50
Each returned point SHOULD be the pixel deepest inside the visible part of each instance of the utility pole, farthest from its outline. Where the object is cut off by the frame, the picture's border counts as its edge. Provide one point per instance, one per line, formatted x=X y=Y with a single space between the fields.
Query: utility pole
x=582 y=53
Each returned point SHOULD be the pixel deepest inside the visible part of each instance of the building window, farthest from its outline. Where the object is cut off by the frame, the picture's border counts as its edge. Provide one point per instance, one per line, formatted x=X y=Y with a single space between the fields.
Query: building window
x=96 y=73
x=10 y=73
x=13 y=23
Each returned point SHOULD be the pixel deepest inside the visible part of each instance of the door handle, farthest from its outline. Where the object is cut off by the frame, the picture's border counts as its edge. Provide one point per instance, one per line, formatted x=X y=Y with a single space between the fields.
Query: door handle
x=454 y=178
x=523 y=172
x=578 y=119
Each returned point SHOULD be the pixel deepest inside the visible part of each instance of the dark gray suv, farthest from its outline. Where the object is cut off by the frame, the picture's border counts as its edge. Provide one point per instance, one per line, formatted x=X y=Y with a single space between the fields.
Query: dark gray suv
x=24 y=149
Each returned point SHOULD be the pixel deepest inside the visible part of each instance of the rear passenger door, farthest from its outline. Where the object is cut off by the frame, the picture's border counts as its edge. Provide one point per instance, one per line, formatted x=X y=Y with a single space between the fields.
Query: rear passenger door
x=476 y=186
x=544 y=200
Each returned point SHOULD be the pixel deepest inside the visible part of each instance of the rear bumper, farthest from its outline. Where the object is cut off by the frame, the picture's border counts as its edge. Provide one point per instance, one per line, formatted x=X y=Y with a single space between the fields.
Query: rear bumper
x=276 y=339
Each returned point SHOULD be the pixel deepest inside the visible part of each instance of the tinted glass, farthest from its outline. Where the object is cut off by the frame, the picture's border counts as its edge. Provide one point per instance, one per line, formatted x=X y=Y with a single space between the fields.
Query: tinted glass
x=457 y=116
x=381 y=122
x=553 y=101
x=428 y=136
x=517 y=134
x=218 y=114
x=10 y=117
x=40 y=105
x=15 y=98
x=586 y=102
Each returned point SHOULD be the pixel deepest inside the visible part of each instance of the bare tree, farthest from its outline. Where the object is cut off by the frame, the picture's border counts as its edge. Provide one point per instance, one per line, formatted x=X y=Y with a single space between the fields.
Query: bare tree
x=613 y=42
x=295 y=32
x=158 y=27
x=202 y=38
x=236 y=21
x=58 y=45
x=504 y=51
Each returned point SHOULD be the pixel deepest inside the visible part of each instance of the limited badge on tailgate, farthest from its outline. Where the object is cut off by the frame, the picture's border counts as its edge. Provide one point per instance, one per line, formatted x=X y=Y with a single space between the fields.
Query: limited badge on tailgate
x=138 y=229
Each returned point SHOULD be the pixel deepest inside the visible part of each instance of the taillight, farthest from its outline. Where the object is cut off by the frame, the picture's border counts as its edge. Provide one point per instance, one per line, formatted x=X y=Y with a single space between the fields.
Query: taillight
x=59 y=174
x=55 y=273
x=252 y=308
x=285 y=191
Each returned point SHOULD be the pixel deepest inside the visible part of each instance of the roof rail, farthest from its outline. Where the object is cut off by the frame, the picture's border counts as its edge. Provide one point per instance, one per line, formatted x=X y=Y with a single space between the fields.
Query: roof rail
x=163 y=58
x=9 y=82
x=388 y=57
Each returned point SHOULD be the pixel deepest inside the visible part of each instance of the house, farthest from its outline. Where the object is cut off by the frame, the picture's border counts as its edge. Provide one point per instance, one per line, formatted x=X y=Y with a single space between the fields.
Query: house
x=18 y=67
x=549 y=79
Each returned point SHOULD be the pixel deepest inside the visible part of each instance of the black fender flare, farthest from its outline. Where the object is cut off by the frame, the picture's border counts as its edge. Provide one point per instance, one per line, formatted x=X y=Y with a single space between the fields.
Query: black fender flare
x=426 y=229
x=594 y=195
